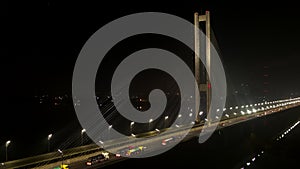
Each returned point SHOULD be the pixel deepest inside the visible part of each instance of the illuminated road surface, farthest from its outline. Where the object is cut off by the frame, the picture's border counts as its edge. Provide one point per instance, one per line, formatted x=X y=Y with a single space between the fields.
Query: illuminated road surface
x=155 y=143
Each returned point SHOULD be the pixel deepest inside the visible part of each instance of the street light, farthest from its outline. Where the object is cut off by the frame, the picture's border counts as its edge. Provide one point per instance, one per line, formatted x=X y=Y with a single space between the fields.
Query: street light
x=131 y=126
x=49 y=138
x=109 y=128
x=6 y=145
x=102 y=143
x=132 y=123
x=62 y=157
x=150 y=121
x=166 y=118
x=82 y=132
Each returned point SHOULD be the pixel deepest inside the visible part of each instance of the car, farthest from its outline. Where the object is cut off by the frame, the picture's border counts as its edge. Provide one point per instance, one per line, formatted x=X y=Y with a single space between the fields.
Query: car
x=123 y=151
x=167 y=141
x=97 y=158
x=63 y=166
x=131 y=150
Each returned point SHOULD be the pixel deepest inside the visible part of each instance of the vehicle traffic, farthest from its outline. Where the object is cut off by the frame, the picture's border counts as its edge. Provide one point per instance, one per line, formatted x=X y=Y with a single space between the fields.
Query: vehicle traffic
x=167 y=141
x=63 y=166
x=131 y=150
x=97 y=159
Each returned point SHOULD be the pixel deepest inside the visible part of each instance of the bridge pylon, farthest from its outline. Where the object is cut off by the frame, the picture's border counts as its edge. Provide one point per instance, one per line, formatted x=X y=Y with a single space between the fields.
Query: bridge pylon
x=203 y=87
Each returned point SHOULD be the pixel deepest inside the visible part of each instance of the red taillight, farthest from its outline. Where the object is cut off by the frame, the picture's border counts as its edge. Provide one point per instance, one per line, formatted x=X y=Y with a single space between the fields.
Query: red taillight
x=209 y=85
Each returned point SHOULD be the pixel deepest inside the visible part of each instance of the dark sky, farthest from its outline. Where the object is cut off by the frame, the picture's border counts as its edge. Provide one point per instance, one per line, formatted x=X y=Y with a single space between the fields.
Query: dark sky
x=44 y=40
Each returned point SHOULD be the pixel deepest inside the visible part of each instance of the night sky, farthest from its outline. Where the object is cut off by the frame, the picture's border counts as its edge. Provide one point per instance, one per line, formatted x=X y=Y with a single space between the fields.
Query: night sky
x=44 y=40
x=259 y=43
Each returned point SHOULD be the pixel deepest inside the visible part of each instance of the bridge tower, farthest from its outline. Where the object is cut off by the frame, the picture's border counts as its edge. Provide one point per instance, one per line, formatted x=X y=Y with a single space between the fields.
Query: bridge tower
x=203 y=87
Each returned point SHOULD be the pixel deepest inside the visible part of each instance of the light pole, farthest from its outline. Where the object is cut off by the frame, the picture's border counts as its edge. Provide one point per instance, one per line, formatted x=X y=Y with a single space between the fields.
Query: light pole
x=6 y=145
x=166 y=118
x=131 y=126
x=82 y=132
x=150 y=121
x=62 y=157
x=49 y=138
x=109 y=128
x=179 y=117
x=102 y=144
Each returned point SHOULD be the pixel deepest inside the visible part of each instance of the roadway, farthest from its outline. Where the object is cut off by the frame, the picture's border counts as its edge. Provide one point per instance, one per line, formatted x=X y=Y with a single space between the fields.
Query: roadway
x=154 y=144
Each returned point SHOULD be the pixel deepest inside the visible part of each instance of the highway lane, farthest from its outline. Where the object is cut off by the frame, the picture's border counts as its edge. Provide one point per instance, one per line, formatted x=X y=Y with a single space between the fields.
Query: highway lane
x=155 y=145
x=80 y=163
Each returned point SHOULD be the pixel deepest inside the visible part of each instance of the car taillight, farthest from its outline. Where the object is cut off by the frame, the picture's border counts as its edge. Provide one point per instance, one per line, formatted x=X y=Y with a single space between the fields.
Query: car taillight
x=88 y=163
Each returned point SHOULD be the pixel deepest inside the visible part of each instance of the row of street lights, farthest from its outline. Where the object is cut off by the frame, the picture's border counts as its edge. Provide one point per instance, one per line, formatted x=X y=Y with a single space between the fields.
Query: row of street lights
x=49 y=144
x=50 y=136
x=84 y=131
x=82 y=137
